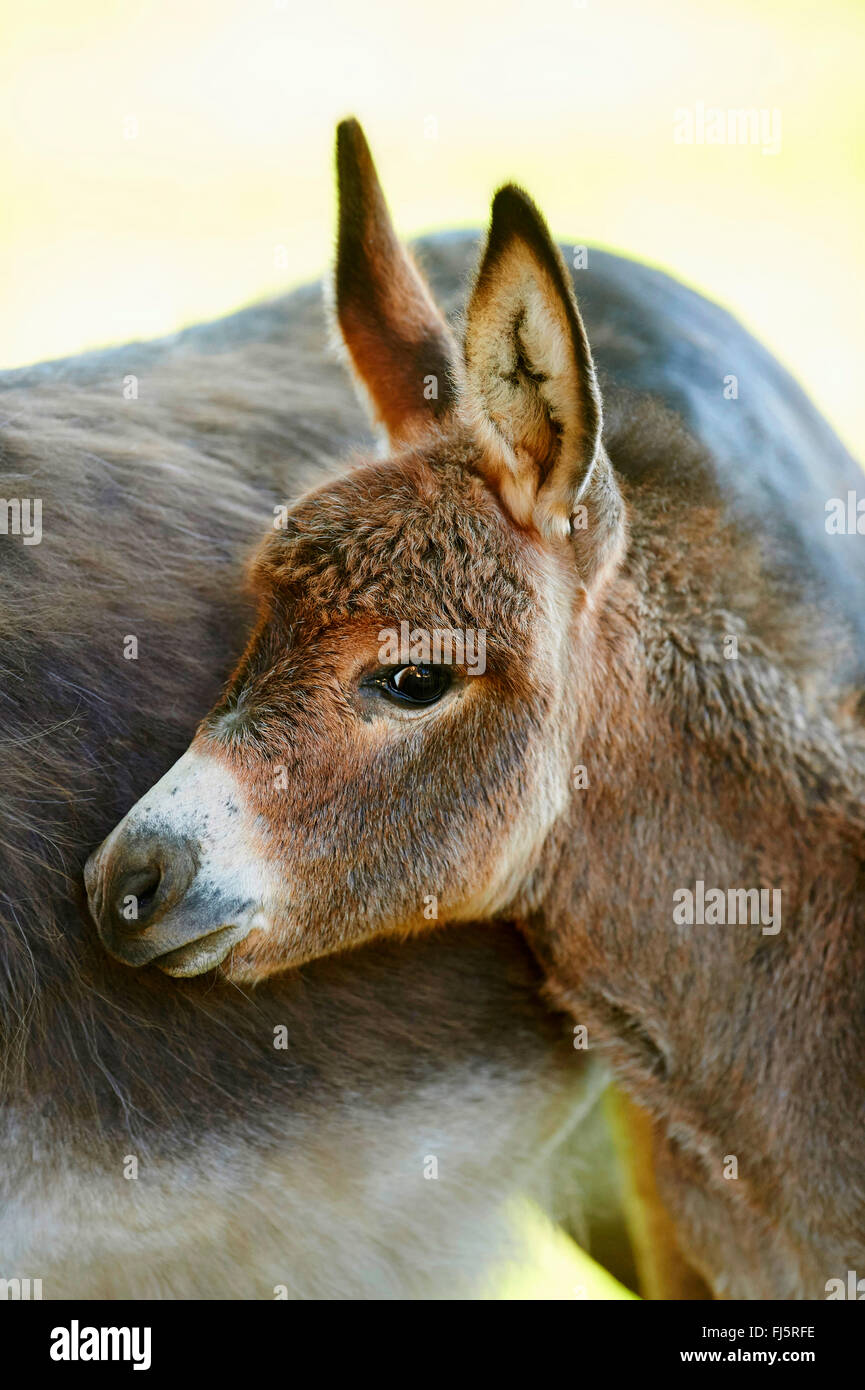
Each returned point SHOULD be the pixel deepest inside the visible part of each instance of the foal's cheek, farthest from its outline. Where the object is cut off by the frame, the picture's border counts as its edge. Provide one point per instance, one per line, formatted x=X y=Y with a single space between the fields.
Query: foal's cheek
x=368 y=855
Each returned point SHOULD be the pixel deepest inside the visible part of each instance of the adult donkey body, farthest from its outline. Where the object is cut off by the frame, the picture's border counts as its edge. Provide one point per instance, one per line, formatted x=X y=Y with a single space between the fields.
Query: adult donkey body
x=665 y=616
x=158 y=1141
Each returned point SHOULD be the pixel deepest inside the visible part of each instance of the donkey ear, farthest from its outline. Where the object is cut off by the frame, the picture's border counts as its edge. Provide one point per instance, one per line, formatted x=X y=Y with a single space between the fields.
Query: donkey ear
x=399 y=343
x=529 y=389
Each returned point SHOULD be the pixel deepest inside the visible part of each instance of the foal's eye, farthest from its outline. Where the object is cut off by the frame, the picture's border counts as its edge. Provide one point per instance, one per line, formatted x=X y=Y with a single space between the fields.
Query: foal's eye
x=416 y=685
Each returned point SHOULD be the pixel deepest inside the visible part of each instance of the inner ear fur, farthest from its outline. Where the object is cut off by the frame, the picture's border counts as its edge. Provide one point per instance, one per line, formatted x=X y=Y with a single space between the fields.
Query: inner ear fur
x=529 y=388
x=401 y=348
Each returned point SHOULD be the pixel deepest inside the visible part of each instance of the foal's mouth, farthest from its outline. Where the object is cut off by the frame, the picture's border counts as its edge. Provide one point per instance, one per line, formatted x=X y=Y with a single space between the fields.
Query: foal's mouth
x=205 y=953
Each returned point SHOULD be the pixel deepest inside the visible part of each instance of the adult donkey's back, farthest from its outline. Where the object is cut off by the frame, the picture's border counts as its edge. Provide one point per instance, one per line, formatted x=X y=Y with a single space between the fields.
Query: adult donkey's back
x=658 y=766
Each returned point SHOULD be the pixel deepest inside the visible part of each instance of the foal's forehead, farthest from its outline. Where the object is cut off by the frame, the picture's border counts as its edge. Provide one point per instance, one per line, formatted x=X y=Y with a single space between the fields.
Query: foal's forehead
x=396 y=537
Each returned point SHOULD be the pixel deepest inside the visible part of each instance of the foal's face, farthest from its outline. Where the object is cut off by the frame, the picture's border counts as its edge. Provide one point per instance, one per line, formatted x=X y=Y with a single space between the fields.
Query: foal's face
x=393 y=748
x=341 y=789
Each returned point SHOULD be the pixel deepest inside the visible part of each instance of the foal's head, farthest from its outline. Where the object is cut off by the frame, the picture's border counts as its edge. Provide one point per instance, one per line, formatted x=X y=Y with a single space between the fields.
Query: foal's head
x=392 y=750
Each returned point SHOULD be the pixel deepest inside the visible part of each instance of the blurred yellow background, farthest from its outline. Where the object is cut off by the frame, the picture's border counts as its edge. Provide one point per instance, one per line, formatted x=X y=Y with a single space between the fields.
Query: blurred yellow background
x=165 y=161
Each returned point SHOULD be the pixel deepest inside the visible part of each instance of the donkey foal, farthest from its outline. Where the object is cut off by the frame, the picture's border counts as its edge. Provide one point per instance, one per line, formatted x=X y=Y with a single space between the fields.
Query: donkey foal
x=609 y=755
x=347 y=778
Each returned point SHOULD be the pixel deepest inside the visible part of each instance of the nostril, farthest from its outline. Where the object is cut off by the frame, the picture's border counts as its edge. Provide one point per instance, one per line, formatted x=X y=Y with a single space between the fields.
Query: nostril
x=139 y=893
x=136 y=878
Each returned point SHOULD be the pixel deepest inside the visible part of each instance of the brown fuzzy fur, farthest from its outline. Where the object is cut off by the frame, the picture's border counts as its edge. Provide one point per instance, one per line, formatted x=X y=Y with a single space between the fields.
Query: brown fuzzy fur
x=605 y=649
x=258 y=1166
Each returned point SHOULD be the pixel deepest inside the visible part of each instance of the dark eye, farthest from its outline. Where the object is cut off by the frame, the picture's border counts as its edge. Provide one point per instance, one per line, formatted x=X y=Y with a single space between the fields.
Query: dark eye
x=417 y=685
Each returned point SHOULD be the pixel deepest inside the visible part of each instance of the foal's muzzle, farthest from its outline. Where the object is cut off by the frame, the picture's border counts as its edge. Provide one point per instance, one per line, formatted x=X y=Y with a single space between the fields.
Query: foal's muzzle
x=176 y=882
x=132 y=885
x=146 y=904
